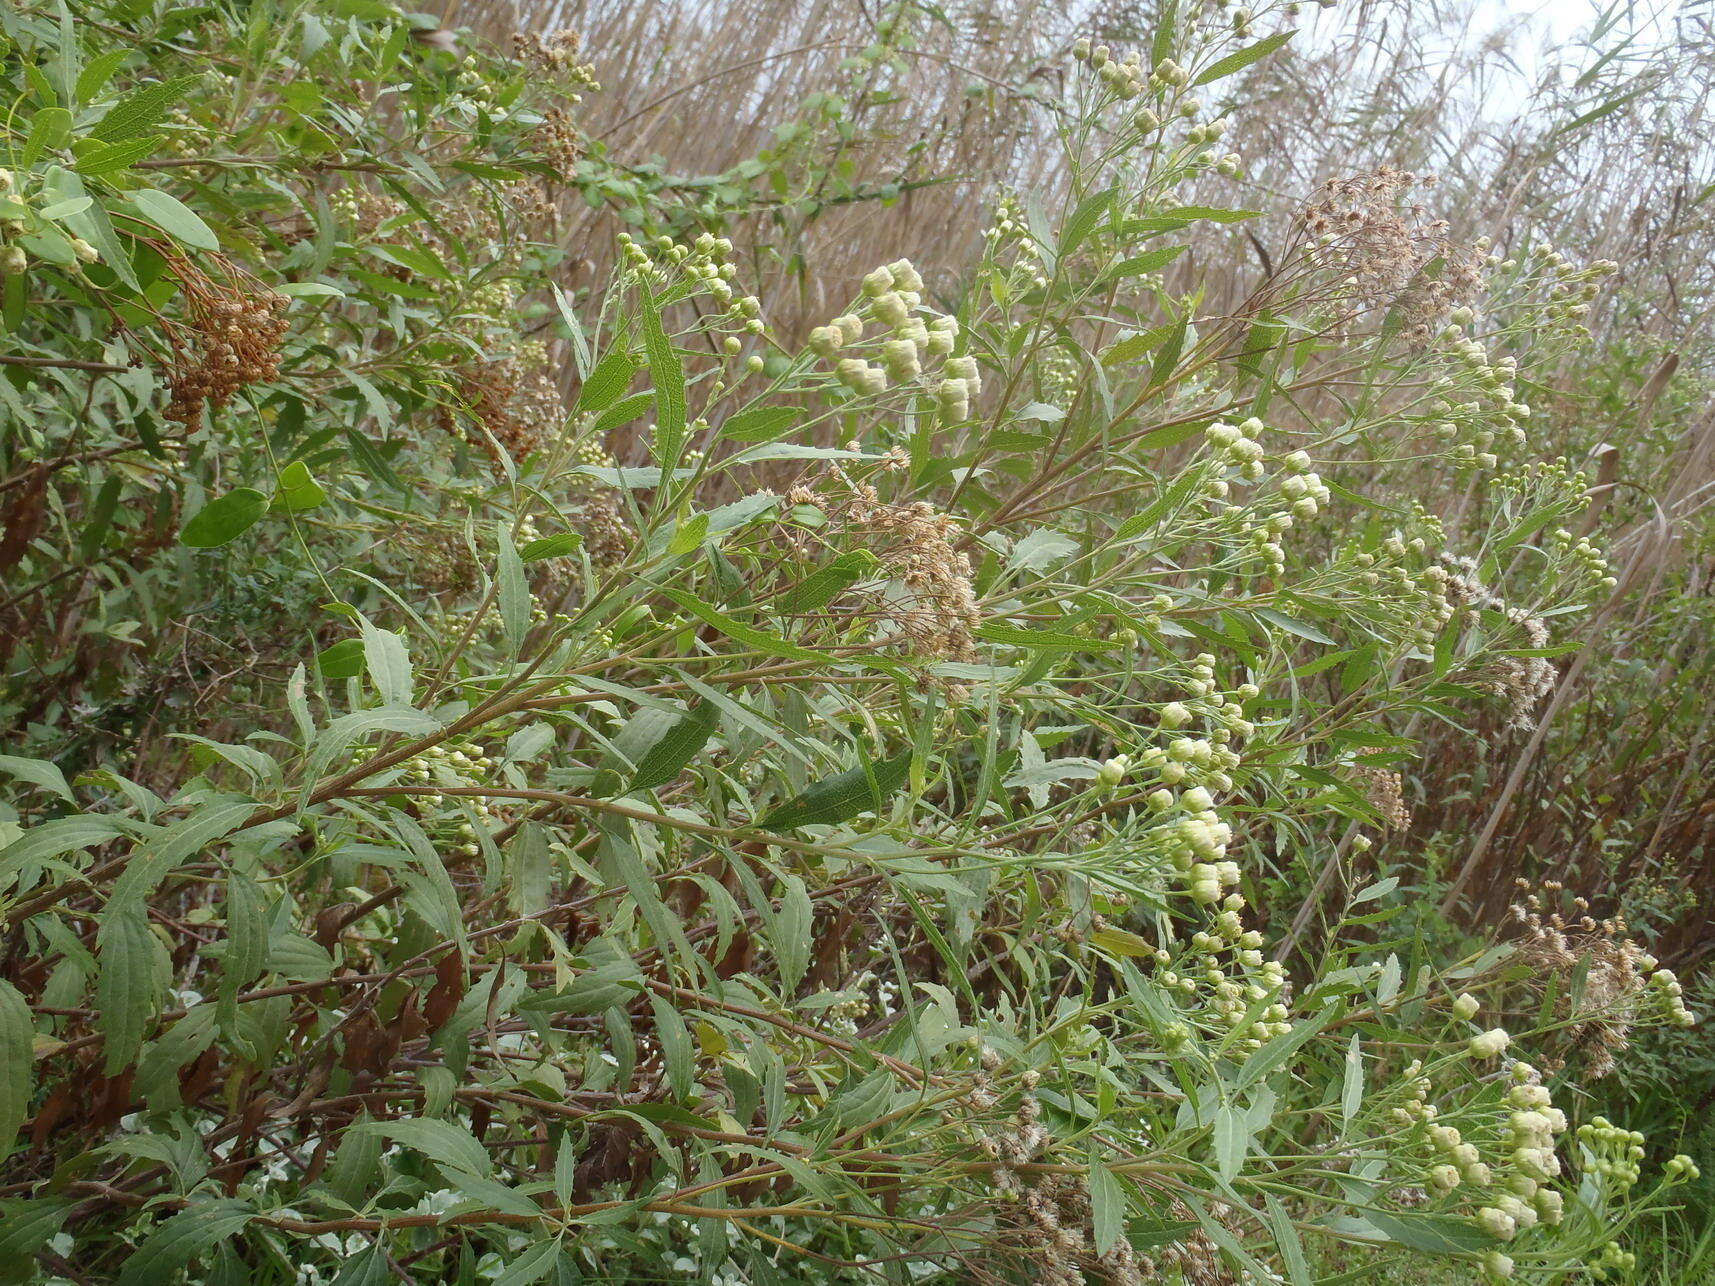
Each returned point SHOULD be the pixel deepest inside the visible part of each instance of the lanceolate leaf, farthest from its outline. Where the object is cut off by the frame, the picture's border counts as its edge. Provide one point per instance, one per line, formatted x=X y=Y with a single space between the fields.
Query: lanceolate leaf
x=668 y=376
x=181 y=1239
x=840 y=798
x=825 y=584
x=128 y=989
x=1243 y=58
x=17 y=1039
x=677 y=747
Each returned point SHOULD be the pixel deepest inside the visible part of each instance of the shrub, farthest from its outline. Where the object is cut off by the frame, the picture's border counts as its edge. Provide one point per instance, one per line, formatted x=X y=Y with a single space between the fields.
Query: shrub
x=788 y=809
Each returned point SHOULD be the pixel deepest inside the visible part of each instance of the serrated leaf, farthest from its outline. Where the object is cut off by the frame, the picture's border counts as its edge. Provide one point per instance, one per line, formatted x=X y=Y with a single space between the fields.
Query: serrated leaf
x=38 y=772
x=827 y=583
x=127 y=989
x=178 y=1241
x=443 y=1142
x=1240 y=59
x=843 y=796
x=110 y=158
x=607 y=383
x=668 y=376
x=388 y=661
x=17 y=1043
x=676 y=747
x=1107 y=1207
x=1352 y=1084
x=1231 y=1141
x=141 y=109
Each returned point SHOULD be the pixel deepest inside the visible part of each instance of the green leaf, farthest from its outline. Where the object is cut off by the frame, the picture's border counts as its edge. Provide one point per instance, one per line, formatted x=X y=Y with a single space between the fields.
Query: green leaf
x=446 y=1144
x=1131 y=347
x=1288 y=1242
x=1231 y=1141
x=181 y=1239
x=1107 y=1207
x=139 y=111
x=1084 y=219
x=556 y=546
x=389 y=663
x=1433 y=1234
x=1242 y=58
x=843 y=796
x=668 y=377
x=93 y=78
x=677 y=746
x=174 y=217
x=50 y=129
x=1214 y=214
x=128 y=988
x=607 y=382
x=38 y=772
x=789 y=931
x=514 y=592
x=297 y=489
x=676 y=1050
x=760 y=423
x=1040 y=640
x=100 y=518
x=1352 y=1088
x=17 y=1041
x=1292 y=625
x=342 y=660
x=27 y=1226
x=531 y=1264
x=110 y=158
x=1152 y=261
x=761 y=640
x=224 y=519
x=827 y=583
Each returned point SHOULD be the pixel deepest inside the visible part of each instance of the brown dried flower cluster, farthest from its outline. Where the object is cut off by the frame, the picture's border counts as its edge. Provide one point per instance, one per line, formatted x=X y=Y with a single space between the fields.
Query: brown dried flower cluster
x=930 y=601
x=1521 y=681
x=1370 y=229
x=558 y=141
x=1050 y=1211
x=1384 y=790
x=1616 y=972
x=553 y=52
x=230 y=336
x=514 y=406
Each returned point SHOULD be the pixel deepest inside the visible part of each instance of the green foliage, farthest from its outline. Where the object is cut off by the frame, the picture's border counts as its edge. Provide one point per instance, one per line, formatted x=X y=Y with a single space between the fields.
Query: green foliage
x=798 y=820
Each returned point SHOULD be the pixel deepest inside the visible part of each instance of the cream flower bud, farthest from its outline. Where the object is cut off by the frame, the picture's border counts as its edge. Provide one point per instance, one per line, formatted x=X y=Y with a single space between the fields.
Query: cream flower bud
x=1465 y=1006
x=1489 y=1044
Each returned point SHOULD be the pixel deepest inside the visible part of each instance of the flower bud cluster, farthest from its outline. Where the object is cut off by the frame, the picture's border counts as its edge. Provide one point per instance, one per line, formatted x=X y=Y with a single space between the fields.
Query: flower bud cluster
x=1612 y=1152
x=893 y=297
x=450 y=764
x=1125 y=77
